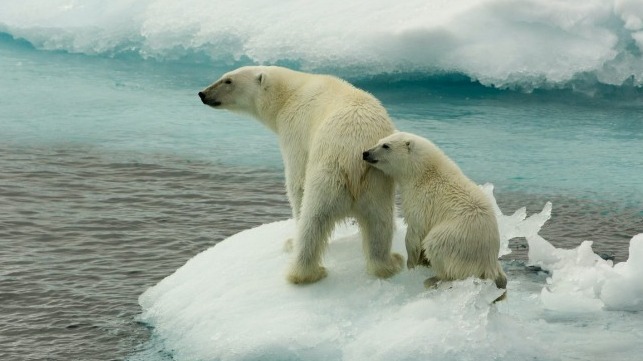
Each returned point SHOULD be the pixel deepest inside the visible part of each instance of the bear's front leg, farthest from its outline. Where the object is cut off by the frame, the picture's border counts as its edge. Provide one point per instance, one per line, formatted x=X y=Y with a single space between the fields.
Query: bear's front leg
x=321 y=207
x=295 y=193
x=413 y=243
x=306 y=274
x=295 y=172
x=306 y=267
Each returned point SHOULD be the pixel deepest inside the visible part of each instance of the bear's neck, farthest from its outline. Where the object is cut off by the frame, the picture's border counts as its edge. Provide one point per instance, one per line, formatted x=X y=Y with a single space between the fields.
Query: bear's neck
x=439 y=170
x=278 y=97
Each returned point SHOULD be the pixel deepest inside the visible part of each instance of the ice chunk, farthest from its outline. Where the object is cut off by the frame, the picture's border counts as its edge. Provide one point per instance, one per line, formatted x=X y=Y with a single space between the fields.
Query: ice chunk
x=517 y=224
x=582 y=281
x=624 y=289
x=231 y=302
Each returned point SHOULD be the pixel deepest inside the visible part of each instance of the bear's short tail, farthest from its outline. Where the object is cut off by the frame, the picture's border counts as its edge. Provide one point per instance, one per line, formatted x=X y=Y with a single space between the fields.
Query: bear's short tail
x=501 y=282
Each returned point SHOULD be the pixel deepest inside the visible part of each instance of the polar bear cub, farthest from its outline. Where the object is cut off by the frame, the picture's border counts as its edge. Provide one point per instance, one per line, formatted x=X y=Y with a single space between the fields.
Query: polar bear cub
x=323 y=124
x=450 y=220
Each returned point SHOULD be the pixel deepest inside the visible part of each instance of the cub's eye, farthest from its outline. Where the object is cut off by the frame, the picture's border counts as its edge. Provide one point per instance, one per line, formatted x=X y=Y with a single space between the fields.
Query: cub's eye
x=385 y=146
x=228 y=81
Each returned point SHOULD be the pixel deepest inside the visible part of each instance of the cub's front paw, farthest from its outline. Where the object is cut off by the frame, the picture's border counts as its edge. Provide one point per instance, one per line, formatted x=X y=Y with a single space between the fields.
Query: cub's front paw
x=431 y=282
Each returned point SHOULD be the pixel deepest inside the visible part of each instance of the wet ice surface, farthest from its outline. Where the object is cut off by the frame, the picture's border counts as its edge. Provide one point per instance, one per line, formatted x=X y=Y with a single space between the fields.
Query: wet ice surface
x=232 y=303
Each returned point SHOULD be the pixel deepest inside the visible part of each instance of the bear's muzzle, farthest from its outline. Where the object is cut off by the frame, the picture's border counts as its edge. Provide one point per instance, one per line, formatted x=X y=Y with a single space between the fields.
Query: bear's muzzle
x=206 y=101
x=367 y=156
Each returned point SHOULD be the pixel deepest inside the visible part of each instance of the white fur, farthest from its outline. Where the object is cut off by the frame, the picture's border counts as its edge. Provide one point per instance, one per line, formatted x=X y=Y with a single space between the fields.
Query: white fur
x=323 y=124
x=449 y=218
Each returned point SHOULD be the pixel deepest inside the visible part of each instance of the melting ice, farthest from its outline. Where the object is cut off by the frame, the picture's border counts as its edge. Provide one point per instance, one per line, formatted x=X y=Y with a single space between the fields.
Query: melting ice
x=231 y=302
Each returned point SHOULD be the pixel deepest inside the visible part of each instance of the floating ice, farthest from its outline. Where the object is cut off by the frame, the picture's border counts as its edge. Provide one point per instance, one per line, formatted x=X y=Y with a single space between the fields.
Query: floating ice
x=582 y=281
x=231 y=302
x=517 y=224
x=528 y=43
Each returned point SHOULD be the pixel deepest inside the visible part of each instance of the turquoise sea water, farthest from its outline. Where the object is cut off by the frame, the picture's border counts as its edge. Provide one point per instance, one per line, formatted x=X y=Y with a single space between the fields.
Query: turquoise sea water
x=551 y=141
x=113 y=174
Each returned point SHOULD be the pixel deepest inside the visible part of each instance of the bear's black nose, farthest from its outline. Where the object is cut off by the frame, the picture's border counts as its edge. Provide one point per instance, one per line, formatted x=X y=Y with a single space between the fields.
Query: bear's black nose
x=365 y=155
x=202 y=96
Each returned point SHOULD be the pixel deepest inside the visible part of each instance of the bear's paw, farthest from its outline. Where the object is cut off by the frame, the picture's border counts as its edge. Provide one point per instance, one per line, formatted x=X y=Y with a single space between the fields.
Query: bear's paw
x=387 y=269
x=297 y=275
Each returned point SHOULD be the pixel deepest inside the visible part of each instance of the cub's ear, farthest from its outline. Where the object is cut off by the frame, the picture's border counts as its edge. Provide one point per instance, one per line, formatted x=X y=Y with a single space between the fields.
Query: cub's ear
x=409 y=145
x=261 y=78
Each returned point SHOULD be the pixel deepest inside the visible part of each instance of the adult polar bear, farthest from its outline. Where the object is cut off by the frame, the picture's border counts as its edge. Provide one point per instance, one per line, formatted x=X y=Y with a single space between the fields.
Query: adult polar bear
x=323 y=124
x=450 y=220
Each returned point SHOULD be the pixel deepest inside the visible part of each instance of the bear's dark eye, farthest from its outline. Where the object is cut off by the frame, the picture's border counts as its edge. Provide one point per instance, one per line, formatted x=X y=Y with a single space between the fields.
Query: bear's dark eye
x=228 y=81
x=385 y=146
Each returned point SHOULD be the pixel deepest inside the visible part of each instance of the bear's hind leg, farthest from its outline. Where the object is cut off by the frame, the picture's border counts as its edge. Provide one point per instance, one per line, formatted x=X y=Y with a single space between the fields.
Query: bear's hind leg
x=374 y=213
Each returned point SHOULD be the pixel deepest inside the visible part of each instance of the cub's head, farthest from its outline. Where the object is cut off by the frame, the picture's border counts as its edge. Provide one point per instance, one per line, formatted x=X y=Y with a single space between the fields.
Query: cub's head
x=237 y=90
x=398 y=154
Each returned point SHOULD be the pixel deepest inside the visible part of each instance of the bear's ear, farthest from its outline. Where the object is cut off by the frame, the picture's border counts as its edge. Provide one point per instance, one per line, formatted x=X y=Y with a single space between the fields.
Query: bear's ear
x=261 y=78
x=409 y=145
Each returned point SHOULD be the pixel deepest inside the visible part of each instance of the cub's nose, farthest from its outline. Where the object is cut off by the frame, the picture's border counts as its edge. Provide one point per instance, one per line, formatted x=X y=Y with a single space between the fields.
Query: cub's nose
x=202 y=96
x=365 y=155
